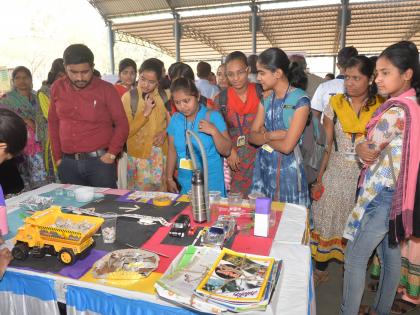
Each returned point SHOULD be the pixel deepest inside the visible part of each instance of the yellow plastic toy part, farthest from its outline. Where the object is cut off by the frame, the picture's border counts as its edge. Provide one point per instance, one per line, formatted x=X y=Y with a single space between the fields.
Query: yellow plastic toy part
x=162 y=201
x=41 y=232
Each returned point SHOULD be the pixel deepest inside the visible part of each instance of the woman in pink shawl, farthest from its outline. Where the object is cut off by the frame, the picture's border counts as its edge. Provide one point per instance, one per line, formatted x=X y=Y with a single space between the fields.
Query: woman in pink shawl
x=383 y=215
x=22 y=100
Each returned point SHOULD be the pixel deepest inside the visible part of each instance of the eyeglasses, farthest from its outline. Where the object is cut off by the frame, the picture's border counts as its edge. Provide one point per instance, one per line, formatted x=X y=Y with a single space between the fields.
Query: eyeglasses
x=231 y=74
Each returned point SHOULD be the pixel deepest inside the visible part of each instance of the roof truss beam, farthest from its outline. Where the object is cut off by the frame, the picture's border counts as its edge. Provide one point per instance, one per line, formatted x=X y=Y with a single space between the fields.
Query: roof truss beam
x=190 y=32
x=374 y=26
x=127 y=38
x=413 y=30
x=267 y=32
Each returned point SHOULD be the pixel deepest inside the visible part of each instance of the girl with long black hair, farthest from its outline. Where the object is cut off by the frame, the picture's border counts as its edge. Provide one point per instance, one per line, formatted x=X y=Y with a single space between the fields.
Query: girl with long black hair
x=383 y=215
x=278 y=128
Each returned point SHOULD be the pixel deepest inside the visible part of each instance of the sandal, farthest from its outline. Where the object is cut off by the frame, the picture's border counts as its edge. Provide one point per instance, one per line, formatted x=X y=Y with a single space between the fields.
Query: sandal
x=401 y=307
x=320 y=276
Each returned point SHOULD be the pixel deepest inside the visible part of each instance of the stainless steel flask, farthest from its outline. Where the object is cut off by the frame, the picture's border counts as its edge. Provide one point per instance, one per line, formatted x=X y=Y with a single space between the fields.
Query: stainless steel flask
x=197 y=195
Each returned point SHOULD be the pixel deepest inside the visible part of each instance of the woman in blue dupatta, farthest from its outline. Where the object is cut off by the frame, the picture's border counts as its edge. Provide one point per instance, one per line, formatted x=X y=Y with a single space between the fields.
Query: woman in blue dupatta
x=22 y=100
x=278 y=129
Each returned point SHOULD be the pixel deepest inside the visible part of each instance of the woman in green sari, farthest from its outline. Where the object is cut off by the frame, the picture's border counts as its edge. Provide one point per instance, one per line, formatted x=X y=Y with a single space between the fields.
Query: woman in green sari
x=22 y=100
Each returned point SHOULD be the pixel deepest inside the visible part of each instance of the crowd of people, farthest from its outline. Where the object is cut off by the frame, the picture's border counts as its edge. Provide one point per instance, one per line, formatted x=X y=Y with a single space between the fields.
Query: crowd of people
x=252 y=118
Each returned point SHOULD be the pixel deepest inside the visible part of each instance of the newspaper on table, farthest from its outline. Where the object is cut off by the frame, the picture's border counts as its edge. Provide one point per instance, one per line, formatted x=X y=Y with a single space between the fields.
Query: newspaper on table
x=240 y=282
x=214 y=281
x=253 y=306
x=184 y=274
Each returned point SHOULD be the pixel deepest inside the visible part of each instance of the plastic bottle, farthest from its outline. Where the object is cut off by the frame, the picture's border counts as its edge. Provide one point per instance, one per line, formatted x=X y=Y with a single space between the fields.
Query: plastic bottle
x=262 y=217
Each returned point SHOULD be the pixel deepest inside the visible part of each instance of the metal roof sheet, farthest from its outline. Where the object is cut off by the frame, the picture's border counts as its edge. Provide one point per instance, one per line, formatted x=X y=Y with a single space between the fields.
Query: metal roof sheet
x=313 y=30
x=122 y=8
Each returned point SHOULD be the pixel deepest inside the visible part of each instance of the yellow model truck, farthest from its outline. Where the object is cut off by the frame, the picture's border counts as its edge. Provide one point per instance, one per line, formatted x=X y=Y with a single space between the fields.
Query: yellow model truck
x=53 y=232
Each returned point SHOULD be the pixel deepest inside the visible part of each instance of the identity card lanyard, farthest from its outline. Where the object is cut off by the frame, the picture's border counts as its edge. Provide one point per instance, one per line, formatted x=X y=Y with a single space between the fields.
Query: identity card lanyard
x=281 y=105
x=241 y=141
x=353 y=138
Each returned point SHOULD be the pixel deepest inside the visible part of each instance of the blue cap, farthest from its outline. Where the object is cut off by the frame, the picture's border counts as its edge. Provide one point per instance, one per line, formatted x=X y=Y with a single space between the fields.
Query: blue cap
x=263 y=205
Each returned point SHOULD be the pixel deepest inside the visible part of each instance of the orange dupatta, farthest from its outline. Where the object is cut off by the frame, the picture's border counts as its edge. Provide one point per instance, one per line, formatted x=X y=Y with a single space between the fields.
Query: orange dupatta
x=237 y=105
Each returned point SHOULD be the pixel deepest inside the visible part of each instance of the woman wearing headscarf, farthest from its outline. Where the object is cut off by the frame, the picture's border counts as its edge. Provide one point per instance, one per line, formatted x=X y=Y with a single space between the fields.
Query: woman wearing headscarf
x=22 y=100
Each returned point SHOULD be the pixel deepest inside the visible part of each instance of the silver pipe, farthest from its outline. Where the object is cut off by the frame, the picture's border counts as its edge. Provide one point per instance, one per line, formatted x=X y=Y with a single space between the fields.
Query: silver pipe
x=111 y=40
x=203 y=153
x=254 y=10
x=344 y=17
x=177 y=33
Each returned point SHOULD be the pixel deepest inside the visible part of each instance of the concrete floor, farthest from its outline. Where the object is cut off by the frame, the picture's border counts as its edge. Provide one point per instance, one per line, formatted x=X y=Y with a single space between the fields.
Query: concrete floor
x=328 y=294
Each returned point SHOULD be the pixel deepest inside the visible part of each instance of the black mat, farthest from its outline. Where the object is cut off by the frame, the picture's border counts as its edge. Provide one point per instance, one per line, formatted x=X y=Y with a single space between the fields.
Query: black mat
x=109 y=203
x=53 y=265
x=45 y=264
x=128 y=230
x=188 y=240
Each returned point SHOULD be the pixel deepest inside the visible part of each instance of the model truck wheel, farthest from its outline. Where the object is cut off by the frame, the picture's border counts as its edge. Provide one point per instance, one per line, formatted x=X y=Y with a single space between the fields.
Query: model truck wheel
x=66 y=256
x=38 y=252
x=20 y=251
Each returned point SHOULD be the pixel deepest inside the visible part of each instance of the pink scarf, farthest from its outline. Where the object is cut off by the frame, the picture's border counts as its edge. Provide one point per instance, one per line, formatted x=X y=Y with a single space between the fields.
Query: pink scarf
x=401 y=216
x=32 y=145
